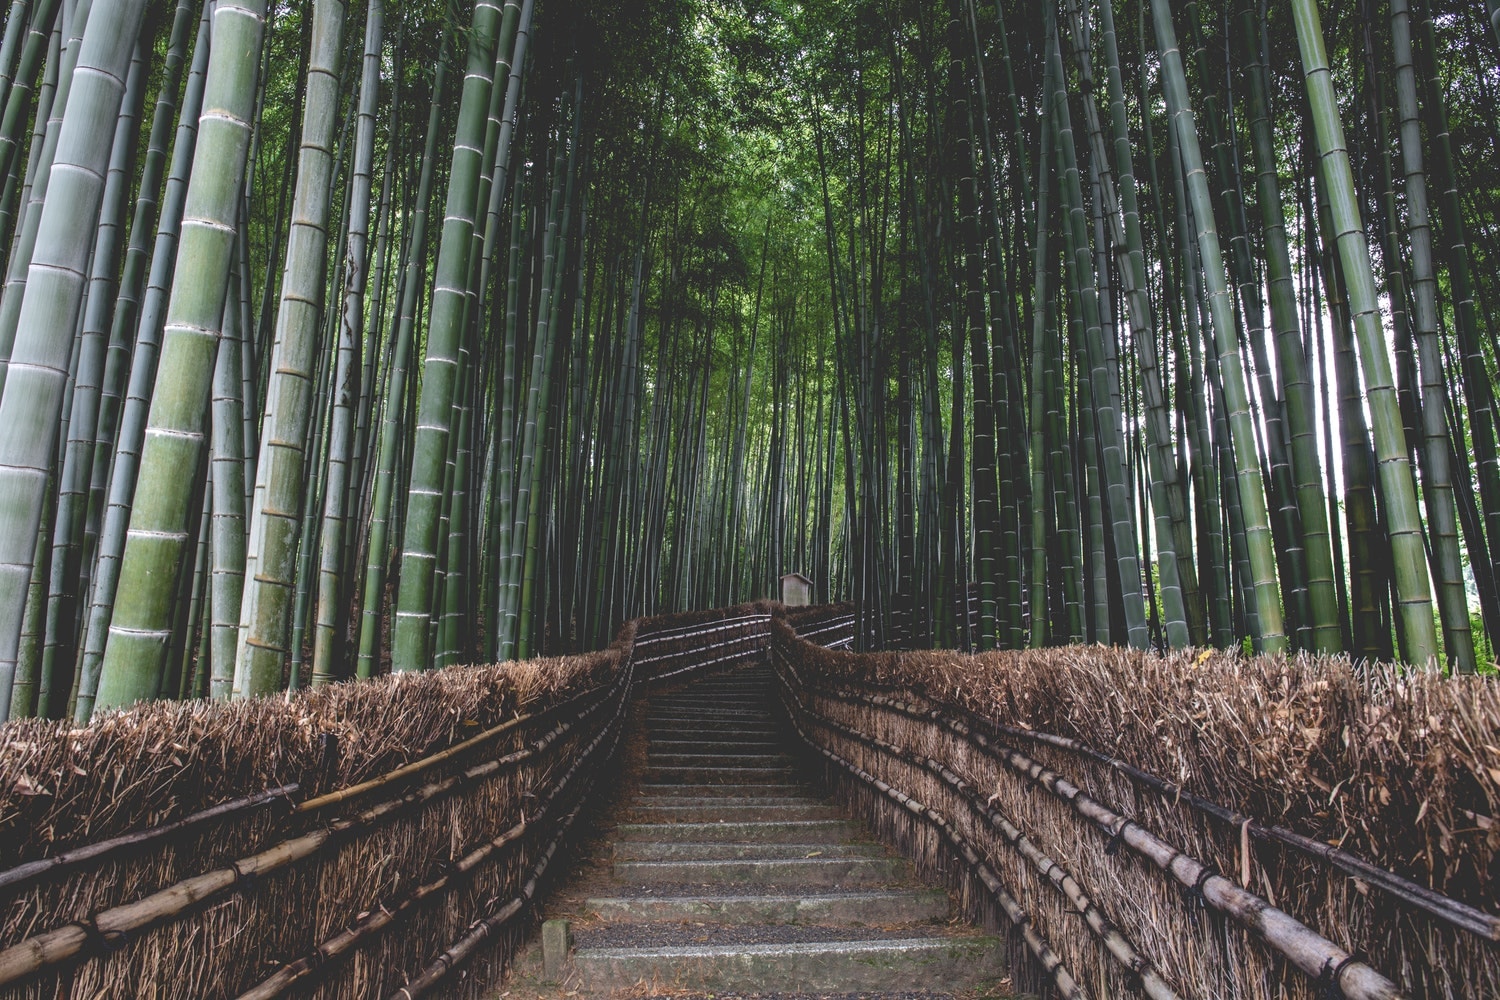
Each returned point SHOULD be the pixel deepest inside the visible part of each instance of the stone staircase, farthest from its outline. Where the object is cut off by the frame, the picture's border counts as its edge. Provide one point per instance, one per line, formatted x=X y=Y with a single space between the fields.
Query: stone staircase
x=729 y=874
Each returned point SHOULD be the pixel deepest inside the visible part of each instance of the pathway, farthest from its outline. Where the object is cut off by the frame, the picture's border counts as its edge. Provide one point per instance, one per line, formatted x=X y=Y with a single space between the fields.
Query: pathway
x=729 y=873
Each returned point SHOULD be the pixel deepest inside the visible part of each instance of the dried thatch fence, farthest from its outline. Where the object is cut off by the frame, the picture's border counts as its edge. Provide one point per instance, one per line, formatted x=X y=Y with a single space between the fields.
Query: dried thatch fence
x=363 y=840
x=1197 y=825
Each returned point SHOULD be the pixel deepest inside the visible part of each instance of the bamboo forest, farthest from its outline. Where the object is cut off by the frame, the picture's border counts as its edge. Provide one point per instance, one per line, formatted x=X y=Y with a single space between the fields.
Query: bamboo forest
x=343 y=337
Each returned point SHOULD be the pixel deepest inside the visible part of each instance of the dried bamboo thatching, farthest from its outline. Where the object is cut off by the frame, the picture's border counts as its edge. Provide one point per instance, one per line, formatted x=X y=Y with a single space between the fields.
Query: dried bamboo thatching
x=1287 y=758
x=433 y=802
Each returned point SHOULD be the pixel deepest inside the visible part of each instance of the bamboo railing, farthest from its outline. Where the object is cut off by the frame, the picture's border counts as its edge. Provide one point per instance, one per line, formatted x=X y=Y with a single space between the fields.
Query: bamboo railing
x=1035 y=849
x=451 y=847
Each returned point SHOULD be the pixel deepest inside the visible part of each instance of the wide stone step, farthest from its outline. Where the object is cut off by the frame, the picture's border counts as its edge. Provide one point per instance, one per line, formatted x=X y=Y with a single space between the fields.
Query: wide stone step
x=709 y=813
x=785 y=790
x=741 y=698
x=800 y=871
x=730 y=802
x=722 y=760
x=747 y=688
x=919 y=963
x=877 y=908
x=662 y=723
x=678 y=745
x=716 y=721
x=734 y=734
x=792 y=831
x=722 y=851
x=718 y=775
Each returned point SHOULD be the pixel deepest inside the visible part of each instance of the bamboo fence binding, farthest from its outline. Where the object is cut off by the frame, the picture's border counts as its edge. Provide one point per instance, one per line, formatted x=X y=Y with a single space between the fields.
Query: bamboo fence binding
x=949 y=745
x=545 y=730
x=1105 y=929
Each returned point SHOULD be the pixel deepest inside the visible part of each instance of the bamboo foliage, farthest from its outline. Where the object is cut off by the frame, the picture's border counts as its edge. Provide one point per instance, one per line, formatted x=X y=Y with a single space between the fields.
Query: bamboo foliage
x=521 y=318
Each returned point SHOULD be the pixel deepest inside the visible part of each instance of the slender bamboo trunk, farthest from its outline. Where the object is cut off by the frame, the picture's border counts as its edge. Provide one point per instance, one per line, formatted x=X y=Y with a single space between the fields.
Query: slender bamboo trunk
x=1398 y=490
x=149 y=568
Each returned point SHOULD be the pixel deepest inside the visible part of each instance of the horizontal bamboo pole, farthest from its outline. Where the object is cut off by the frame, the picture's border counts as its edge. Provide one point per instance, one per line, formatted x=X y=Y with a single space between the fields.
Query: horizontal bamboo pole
x=111 y=926
x=60 y=864
x=464 y=948
x=1308 y=950
x=708 y=663
x=1100 y=925
x=418 y=767
x=760 y=641
x=383 y=916
x=1445 y=908
x=1040 y=948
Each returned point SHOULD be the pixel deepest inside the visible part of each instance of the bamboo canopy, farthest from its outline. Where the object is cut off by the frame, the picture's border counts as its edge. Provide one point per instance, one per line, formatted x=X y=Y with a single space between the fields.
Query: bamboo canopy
x=343 y=337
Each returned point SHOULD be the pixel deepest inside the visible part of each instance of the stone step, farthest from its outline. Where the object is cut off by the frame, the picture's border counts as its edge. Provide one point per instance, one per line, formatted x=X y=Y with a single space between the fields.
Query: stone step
x=670 y=744
x=753 y=717
x=710 y=813
x=728 y=851
x=919 y=963
x=799 y=871
x=757 y=697
x=727 y=801
x=750 y=685
x=799 y=831
x=718 y=760
x=690 y=729
x=697 y=728
x=787 y=790
x=718 y=775
x=679 y=716
x=879 y=908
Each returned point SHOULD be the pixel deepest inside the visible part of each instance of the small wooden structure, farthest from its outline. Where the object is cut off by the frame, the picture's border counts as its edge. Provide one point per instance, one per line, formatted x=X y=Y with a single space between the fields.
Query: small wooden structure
x=796 y=591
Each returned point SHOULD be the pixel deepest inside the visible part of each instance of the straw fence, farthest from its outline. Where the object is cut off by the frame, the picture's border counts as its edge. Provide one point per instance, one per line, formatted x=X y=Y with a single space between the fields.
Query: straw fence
x=1195 y=825
x=373 y=839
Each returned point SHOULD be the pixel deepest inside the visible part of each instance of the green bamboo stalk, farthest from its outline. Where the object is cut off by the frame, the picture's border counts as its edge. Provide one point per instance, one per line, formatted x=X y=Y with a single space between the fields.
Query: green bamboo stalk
x=133 y=417
x=1179 y=587
x=10 y=46
x=533 y=457
x=18 y=96
x=1117 y=508
x=275 y=530
x=30 y=407
x=58 y=659
x=227 y=523
x=1252 y=496
x=440 y=367
x=26 y=695
x=1041 y=425
x=149 y=569
x=351 y=332
x=38 y=182
x=1296 y=385
x=1403 y=517
x=382 y=513
x=1437 y=476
